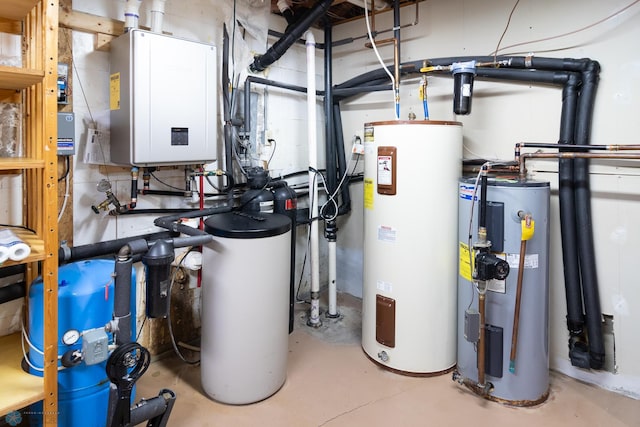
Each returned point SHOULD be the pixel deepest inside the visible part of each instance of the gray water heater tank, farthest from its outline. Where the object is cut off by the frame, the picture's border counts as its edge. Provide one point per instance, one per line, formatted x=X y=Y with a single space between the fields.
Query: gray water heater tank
x=528 y=384
x=245 y=306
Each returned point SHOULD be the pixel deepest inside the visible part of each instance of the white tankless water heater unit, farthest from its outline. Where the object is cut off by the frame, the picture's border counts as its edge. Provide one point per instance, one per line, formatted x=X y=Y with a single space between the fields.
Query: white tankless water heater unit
x=411 y=177
x=162 y=100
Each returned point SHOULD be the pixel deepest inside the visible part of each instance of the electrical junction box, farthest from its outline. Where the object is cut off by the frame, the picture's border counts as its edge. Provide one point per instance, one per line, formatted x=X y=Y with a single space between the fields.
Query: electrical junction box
x=66 y=134
x=163 y=100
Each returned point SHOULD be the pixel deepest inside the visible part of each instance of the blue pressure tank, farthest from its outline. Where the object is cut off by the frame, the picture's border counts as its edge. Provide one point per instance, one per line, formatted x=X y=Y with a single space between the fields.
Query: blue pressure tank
x=85 y=301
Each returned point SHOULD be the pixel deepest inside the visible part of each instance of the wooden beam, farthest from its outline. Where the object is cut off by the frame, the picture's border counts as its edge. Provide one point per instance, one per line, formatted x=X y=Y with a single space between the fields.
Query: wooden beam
x=89 y=23
x=10 y=26
x=102 y=42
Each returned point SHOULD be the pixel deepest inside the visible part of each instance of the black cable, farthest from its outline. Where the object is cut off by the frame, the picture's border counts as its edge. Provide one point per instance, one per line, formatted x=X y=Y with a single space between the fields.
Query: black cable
x=164 y=183
x=67 y=168
x=19 y=226
x=173 y=339
x=141 y=326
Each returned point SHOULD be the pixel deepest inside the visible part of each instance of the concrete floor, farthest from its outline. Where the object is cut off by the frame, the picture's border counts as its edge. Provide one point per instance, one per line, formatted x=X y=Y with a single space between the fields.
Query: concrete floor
x=330 y=382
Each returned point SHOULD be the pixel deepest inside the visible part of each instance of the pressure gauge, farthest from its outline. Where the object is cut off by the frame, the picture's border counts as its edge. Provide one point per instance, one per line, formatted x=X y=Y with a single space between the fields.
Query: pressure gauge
x=71 y=337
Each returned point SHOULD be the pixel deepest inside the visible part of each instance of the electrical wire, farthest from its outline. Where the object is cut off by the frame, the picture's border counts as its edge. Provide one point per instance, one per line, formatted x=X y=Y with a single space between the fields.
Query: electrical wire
x=19 y=226
x=65 y=198
x=470 y=235
x=171 y=335
x=86 y=101
x=375 y=49
x=67 y=168
x=331 y=198
x=594 y=24
x=273 y=151
x=495 y=54
x=164 y=183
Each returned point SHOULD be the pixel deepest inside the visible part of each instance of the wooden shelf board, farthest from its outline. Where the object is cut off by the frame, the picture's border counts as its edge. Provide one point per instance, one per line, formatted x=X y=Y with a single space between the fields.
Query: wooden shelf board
x=19 y=388
x=13 y=163
x=19 y=78
x=16 y=9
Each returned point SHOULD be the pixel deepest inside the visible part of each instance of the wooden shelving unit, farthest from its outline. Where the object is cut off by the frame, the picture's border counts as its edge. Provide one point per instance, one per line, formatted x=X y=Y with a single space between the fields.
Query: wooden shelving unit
x=35 y=84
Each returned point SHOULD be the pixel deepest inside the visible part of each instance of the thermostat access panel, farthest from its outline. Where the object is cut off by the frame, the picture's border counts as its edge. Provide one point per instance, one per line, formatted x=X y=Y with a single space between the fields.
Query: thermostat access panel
x=162 y=100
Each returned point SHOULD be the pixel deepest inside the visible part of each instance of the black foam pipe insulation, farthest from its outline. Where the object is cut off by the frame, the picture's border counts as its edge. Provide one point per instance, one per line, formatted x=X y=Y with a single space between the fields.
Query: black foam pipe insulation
x=108 y=247
x=12 y=292
x=330 y=145
x=568 y=230
x=586 y=245
x=345 y=205
x=293 y=33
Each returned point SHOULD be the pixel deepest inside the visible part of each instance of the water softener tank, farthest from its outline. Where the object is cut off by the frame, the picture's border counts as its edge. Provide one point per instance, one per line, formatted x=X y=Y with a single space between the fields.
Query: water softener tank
x=410 y=213
x=85 y=302
x=507 y=202
x=245 y=306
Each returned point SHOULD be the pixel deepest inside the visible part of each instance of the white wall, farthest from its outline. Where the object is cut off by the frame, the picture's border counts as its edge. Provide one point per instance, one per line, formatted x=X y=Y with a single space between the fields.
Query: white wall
x=503 y=114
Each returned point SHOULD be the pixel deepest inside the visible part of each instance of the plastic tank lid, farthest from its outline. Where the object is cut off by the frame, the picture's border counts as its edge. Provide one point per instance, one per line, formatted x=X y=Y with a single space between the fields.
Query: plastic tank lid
x=247 y=225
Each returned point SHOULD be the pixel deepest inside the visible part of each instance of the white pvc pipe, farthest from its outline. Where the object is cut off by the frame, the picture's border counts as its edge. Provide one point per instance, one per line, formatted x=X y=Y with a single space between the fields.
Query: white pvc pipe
x=157 y=15
x=131 y=14
x=314 y=313
x=333 y=304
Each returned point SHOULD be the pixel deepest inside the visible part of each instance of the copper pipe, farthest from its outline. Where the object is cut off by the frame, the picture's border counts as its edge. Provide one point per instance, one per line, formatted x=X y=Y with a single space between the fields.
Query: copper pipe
x=481 y=341
x=522 y=158
x=516 y=313
x=608 y=147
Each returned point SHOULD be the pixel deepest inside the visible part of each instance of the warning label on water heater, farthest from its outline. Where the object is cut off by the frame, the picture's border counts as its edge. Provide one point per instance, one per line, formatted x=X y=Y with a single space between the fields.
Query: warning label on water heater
x=385 y=171
x=387 y=234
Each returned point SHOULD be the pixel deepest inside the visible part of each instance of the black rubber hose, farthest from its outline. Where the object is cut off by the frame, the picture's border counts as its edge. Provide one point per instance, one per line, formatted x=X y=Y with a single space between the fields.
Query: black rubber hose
x=573 y=289
x=278 y=49
x=12 y=270
x=586 y=246
x=12 y=292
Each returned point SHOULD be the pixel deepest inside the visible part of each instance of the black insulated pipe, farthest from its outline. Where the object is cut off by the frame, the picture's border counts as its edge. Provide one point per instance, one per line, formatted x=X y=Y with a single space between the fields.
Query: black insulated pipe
x=122 y=294
x=12 y=292
x=345 y=205
x=109 y=247
x=296 y=31
x=573 y=288
x=330 y=147
x=586 y=246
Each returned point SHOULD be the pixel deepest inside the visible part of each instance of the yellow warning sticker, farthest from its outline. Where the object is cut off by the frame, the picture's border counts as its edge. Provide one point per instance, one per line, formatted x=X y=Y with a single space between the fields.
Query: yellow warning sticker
x=368 y=193
x=114 y=92
x=465 y=261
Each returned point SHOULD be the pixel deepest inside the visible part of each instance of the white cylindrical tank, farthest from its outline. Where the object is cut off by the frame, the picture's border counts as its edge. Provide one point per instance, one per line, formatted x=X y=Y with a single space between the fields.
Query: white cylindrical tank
x=245 y=306
x=410 y=259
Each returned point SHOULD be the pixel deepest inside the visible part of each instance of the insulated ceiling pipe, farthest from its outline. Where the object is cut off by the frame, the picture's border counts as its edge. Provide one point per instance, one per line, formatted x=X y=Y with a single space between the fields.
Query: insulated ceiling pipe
x=587 y=258
x=261 y=62
x=568 y=231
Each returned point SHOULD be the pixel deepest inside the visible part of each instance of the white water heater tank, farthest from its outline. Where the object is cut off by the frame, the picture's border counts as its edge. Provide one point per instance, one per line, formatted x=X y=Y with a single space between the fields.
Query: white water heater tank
x=410 y=253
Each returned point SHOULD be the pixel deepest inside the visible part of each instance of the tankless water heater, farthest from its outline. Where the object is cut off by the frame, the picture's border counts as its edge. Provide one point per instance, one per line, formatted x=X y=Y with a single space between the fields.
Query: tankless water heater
x=162 y=100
